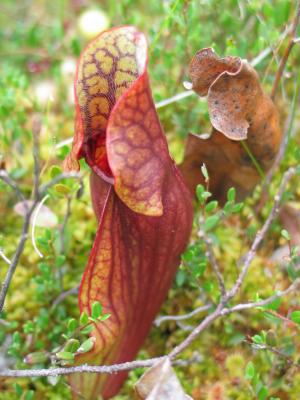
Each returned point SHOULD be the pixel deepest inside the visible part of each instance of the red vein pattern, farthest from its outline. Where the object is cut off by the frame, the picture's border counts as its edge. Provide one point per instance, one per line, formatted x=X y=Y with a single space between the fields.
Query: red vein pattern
x=142 y=205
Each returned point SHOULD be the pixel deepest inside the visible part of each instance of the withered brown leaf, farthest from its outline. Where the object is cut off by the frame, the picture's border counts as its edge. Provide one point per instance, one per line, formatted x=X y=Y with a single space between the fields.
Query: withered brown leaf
x=238 y=110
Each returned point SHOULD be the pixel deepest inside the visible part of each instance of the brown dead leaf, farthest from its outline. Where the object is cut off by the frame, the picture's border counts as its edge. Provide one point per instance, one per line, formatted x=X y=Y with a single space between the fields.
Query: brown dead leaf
x=160 y=383
x=238 y=110
x=45 y=219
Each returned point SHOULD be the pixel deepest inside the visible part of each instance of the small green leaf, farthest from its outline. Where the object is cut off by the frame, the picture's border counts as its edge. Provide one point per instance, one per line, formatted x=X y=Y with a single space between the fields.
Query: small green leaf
x=16 y=338
x=65 y=355
x=211 y=222
x=87 y=345
x=231 y=194
x=60 y=260
x=211 y=206
x=228 y=207
x=84 y=318
x=104 y=317
x=257 y=339
x=29 y=395
x=295 y=316
x=18 y=389
x=285 y=234
x=88 y=329
x=72 y=325
x=96 y=310
x=72 y=345
x=55 y=171
x=237 y=208
x=250 y=371
x=36 y=358
x=271 y=338
x=28 y=327
x=199 y=191
x=62 y=189
x=202 y=194
x=204 y=172
x=180 y=277
x=263 y=393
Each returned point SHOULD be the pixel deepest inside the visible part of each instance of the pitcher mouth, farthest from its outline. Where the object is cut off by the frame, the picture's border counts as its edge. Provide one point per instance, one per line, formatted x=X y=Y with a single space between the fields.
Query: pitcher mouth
x=112 y=63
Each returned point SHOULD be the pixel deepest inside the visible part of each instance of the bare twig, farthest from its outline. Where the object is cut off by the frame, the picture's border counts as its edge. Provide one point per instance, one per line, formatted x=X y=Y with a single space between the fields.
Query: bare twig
x=175 y=98
x=283 y=318
x=287 y=134
x=262 y=303
x=293 y=40
x=161 y=319
x=275 y=351
x=206 y=322
x=219 y=312
x=16 y=257
x=232 y=293
x=63 y=295
x=104 y=369
x=215 y=265
x=109 y=369
x=10 y=182
x=36 y=126
x=261 y=234
x=65 y=175
x=38 y=192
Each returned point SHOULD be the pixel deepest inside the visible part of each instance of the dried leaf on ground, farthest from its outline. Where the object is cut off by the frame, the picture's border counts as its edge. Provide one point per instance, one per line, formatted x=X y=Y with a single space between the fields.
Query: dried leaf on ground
x=160 y=382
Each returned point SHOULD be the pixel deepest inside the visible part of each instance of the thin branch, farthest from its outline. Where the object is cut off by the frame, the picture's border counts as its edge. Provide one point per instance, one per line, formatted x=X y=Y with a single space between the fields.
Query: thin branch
x=65 y=175
x=109 y=369
x=288 y=131
x=161 y=319
x=174 y=99
x=16 y=257
x=275 y=351
x=283 y=318
x=261 y=234
x=292 y=41
x=103 y=369
x=63 y=295
x=196 y=332
x=219 y=312
x=36 y=127
x=232 y=293
x=215 y=265
x=262 y=303
x=10 y=182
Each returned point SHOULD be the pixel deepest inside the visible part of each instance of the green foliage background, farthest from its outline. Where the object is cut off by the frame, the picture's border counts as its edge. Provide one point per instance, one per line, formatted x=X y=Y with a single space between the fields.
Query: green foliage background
x=36 y=40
